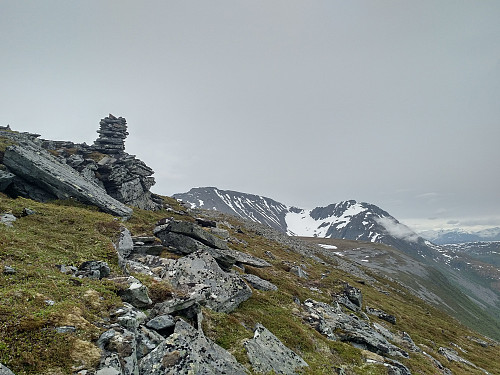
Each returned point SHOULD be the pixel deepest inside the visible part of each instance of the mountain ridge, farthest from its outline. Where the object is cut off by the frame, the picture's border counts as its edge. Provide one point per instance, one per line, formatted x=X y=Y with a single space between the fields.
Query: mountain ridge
x=363 y=221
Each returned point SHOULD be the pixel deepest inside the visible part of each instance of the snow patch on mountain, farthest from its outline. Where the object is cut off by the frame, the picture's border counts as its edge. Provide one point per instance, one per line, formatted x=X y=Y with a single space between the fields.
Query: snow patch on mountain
x=303 y=223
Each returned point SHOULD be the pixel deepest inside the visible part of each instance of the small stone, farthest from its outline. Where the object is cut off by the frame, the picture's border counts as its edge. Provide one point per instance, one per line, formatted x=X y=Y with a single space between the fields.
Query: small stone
x=28 y=212
x=66 y=329
x=9 y=270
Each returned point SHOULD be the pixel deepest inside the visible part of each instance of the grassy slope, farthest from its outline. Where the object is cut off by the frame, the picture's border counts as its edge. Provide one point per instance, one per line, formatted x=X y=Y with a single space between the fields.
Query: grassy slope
x=69 y=234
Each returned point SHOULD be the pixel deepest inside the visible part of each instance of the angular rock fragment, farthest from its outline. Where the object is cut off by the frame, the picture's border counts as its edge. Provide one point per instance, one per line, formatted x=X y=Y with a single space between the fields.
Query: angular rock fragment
x=267 y=353
x=93 y=269
x=120 y=352
x=161 y=323
x=298 y=271
x=381 y=314
x=133 y=291
x=188 y=352
x=354 y=295
x=258 y=283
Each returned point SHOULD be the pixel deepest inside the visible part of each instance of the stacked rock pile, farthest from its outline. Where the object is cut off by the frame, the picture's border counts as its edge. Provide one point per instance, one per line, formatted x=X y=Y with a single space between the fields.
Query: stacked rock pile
x=112 y=134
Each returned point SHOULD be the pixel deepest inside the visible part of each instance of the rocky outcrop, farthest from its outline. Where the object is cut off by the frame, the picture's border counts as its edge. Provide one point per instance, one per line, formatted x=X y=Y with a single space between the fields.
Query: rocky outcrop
x=187 y=351
x=185 y=238
x=199 y=274
x=268 y=354
x=381 y=314
x=37 y=167
x=332 y=322
x=5 y=179
x=122 y=176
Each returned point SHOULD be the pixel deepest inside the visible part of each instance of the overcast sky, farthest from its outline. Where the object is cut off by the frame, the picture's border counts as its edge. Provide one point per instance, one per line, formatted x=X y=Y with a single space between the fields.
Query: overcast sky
x=395 y=103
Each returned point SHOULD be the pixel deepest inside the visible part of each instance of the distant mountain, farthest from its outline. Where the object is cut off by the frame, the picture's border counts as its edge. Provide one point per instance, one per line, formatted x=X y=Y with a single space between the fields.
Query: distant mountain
x=247 y=206
x=455 y=236
x=347 y=220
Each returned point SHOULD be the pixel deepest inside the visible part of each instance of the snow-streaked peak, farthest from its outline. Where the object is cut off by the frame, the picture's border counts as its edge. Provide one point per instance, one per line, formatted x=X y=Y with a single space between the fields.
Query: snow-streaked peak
x=304 y=223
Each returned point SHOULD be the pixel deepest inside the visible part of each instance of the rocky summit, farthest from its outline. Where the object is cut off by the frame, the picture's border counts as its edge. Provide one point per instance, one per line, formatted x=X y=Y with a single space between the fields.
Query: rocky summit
x=102 y=174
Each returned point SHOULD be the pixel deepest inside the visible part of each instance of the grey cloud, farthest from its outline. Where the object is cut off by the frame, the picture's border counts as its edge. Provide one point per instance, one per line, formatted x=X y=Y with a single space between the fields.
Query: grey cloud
x=397 y=230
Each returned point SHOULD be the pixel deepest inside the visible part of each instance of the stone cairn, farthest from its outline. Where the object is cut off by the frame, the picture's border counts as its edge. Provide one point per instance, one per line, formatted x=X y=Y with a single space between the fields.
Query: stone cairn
x=112 y=134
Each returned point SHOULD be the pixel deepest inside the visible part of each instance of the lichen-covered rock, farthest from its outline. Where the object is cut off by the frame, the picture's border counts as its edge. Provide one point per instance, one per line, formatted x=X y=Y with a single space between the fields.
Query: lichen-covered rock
x=120 y=351
x=199 y=274
x=188 y=352
x=129 y=317
x=267 y=353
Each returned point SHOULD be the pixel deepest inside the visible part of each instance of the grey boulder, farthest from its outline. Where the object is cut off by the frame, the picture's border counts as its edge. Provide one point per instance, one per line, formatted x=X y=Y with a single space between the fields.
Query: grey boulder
x=7 y=219
x=192 y=230
x=267 y=353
